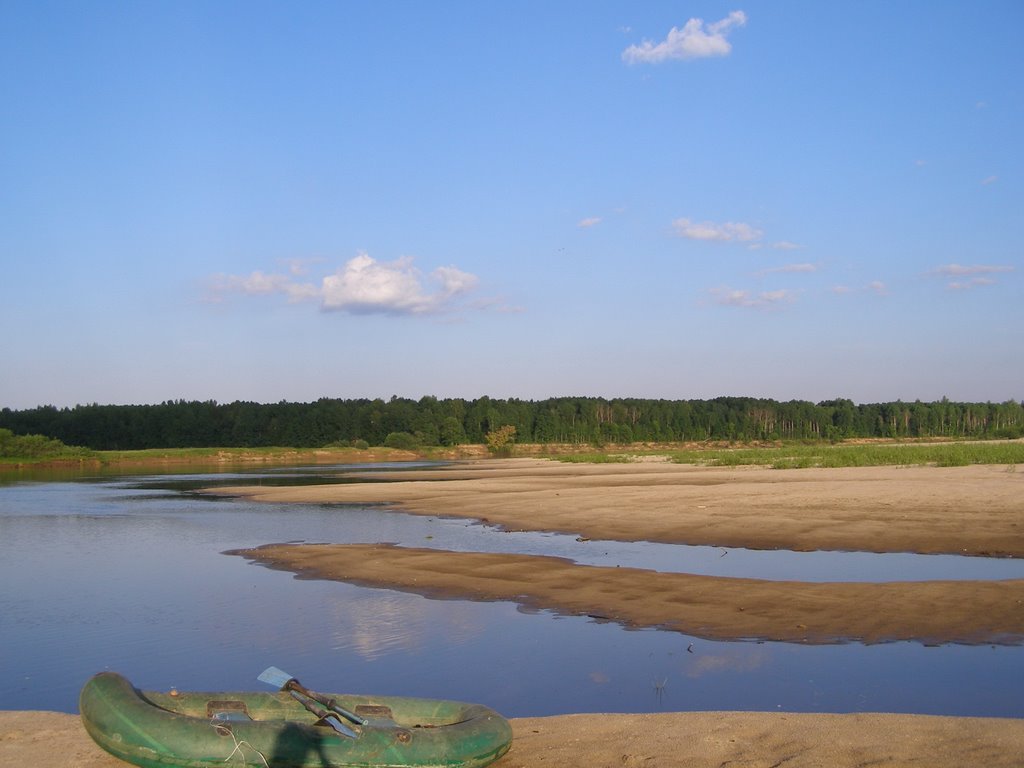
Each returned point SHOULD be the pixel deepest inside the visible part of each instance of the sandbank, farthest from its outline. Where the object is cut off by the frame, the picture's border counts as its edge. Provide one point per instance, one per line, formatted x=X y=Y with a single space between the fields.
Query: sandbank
x=716 y=608
x=965 y=510
x=975 y=510
x=749 y=739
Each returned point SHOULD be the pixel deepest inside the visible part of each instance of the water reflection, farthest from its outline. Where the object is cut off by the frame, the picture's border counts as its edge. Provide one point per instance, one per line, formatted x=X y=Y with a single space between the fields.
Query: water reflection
x=110 y=575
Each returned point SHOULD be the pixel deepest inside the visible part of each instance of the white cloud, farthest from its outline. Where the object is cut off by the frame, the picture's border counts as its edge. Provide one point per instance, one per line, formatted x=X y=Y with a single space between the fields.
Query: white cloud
x=975 y=272
x=875 y=286
x=974 y=282
x=951 y=270
x=591 y=221
x=693 y=41
x=790 y=268
x=989 y=180
x=761 y=300
x=709 y=230
x=786 y=245
x=363 y=286
x=259 y=283
x=300 y=266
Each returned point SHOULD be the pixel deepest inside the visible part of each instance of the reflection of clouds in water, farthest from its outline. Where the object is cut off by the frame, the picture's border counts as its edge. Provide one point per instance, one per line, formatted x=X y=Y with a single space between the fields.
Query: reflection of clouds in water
x=599 y=677
x=743 y=661
x=379 y=622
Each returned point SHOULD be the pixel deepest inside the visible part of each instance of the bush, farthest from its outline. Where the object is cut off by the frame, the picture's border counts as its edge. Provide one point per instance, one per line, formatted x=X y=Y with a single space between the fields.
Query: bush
x=501 y=440
x=14 y=446
x=402 y=441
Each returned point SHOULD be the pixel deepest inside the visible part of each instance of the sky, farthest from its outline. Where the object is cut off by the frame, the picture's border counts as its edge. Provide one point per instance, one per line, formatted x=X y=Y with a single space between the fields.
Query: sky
x=274 y=201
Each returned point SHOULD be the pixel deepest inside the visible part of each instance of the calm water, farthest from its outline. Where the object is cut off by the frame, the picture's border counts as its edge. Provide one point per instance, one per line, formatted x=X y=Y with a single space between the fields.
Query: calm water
x=127 y=574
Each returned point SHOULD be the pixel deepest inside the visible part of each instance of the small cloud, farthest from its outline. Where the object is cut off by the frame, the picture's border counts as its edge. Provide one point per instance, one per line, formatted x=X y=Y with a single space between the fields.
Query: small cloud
x=709 y=230
x=876 y=287
x=790 y=268
x=693 y=41
x=920 y=163
x=362 y=286
x=785 y=245
x=974 y=282
x=989 y=180
x=761 y=300
x=300 y=266
x=261 y=284
x=976 y=274
x=980 y=104
x=497 y=304
x=954 y=270
x=258 y=283
x=592 y=221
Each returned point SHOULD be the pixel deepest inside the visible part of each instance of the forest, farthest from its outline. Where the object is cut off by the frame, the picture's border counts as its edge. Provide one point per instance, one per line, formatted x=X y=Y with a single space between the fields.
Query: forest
x=430 y=421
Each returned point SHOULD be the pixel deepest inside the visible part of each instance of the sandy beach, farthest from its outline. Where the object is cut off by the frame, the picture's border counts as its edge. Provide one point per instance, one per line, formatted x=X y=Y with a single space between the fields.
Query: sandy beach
x=745 y=739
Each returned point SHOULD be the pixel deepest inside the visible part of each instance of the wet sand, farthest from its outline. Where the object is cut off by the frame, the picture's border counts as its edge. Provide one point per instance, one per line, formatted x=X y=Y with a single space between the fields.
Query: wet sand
x=745 y=739
x=702 y=606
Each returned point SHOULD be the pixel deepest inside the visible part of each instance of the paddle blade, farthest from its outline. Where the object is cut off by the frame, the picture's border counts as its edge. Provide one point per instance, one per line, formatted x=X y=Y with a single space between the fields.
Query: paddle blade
x=275 y=677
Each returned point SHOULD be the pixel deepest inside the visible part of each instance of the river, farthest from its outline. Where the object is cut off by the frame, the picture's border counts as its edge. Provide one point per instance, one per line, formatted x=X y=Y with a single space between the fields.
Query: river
x=127 y=573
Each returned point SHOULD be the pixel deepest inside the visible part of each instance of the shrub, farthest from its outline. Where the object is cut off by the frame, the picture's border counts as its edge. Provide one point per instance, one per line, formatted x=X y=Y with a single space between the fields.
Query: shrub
x=402 y=441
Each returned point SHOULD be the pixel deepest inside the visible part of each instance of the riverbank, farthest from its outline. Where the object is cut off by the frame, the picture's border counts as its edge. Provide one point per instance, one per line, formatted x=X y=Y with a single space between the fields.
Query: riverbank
x=57 y=740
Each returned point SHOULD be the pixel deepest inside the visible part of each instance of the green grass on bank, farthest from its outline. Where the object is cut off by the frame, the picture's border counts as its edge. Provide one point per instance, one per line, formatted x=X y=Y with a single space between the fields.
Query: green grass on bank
x=36 y=450
x=796 y=456
x=267 y=455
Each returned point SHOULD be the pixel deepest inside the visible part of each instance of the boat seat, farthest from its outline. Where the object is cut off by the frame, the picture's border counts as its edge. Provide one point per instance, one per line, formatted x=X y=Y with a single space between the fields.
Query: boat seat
x=224 y=709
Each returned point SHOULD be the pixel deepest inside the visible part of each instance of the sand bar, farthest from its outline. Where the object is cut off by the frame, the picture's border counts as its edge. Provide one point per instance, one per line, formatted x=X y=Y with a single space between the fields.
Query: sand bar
x=702 y=606
x=973 y=510
x=977 y=510
x=745 y=739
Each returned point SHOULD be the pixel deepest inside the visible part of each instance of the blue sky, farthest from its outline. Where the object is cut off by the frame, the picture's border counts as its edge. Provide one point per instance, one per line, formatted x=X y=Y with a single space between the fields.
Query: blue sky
x=287 y=201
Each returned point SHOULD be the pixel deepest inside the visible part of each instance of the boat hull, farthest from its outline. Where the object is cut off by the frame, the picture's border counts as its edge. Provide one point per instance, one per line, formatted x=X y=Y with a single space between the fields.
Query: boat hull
x=194 y=730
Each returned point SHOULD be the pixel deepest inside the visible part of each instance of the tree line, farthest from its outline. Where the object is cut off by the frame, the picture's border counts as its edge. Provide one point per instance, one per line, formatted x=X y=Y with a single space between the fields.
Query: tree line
x=430 y=421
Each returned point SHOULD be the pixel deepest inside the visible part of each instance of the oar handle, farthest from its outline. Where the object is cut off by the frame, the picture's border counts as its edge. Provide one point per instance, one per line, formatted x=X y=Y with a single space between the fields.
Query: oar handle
x=323 y=714
x=330 y=703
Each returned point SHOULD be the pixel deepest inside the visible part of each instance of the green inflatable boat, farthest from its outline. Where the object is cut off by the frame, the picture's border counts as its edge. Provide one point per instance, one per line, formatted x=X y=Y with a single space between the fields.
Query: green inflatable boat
x=293 y=728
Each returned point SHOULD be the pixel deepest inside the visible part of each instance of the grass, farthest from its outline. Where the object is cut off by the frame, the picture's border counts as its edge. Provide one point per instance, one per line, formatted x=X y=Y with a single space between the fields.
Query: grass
x=61 y=455
x=801 y=455
x=777 y=456
x=269 y=455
